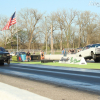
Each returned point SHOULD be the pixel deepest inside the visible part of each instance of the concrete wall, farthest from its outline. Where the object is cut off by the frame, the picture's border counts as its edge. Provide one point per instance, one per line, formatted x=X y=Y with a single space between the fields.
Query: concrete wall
x=57 y=57
x=53 y=57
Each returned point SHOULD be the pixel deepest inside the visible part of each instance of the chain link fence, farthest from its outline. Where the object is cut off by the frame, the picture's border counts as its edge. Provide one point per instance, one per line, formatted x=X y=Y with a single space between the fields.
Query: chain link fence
x=37 y=51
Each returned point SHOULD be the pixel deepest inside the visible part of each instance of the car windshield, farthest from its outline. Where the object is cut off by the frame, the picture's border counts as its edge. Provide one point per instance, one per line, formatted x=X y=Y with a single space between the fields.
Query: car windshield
x=2 y=49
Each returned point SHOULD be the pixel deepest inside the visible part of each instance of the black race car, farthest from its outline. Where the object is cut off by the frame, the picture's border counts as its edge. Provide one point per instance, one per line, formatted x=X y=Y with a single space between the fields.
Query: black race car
x=4 y=56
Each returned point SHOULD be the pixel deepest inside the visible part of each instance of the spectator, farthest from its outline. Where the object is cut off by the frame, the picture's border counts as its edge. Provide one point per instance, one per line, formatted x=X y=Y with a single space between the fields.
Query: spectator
x=28 y=55
x=69 y=51
x=42 y=55
x=62 y=51
x=72 y=51
x=78 y=50
x=34 y=53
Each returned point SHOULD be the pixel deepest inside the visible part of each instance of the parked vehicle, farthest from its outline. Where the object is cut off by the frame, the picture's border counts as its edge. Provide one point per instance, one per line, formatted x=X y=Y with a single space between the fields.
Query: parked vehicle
x=12 y=54
x=91 y=51
x=4 y=56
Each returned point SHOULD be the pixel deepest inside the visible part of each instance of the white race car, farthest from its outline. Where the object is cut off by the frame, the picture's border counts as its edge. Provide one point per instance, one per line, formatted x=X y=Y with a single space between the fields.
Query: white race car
x=91 y=51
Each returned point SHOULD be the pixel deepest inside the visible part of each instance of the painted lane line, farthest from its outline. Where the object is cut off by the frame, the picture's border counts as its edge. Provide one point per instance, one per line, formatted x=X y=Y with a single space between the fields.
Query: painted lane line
x=8 y=92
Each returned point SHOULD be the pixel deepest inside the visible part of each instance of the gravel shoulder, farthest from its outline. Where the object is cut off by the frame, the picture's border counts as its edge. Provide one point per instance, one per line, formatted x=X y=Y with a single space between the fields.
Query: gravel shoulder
x=48 y=90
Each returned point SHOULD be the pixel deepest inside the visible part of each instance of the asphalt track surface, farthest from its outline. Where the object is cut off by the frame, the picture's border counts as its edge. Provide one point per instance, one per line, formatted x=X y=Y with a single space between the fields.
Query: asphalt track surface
x=82 y=79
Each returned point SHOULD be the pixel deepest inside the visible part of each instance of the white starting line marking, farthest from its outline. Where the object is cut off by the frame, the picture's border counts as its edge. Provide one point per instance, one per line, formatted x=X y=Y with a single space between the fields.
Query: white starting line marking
x=8 y=92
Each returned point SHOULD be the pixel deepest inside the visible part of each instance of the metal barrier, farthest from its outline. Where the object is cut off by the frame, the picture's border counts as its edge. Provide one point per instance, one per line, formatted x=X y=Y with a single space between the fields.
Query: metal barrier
x=35 y=57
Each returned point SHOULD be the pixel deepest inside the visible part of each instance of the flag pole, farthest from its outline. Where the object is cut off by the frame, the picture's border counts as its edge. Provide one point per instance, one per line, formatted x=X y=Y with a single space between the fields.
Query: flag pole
x=17 y=33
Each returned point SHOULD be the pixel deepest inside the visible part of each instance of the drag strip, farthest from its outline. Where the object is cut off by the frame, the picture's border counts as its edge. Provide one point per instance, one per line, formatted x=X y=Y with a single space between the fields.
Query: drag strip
x=84 y=79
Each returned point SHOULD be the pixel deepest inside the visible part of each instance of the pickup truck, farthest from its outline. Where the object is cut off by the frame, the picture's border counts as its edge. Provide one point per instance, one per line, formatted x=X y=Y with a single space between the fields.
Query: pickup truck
x=91 y=51
x=4 y=56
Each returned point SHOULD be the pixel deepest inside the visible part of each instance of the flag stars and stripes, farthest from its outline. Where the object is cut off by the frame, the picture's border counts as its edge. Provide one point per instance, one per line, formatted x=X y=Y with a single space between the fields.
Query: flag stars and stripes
x=10 y=22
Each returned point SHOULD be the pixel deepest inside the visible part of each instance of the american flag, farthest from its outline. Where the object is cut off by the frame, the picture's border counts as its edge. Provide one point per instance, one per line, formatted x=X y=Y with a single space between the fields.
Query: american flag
x=10 y=22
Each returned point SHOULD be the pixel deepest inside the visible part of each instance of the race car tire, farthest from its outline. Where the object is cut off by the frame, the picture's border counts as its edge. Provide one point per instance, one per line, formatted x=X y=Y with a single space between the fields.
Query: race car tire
x=97 y=60
x=8 y=61
x=1 y=62
x=93 y=55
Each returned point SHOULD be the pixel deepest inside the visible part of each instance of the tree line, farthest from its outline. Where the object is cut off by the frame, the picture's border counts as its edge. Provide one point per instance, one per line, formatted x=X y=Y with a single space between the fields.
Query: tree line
x=58 y=30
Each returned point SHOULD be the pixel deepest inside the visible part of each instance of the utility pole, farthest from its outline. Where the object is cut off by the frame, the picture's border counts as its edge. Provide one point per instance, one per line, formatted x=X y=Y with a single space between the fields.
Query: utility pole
x=61 y=39
x=46 y=33
x=51 y=39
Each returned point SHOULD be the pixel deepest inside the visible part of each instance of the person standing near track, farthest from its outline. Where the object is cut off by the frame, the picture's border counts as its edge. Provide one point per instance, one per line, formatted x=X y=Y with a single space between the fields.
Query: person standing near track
x=63 y=52
x=42 y=55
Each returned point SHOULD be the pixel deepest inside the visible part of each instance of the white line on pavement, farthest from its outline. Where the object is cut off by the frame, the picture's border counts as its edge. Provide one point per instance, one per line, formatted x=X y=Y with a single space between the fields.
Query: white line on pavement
x=8 y=92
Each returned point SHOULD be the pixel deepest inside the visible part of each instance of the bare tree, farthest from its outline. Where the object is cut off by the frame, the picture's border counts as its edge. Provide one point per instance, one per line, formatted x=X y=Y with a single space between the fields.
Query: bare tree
x=53 y=25
x=60 y=20
x=30 y=20
x=57 y=41
x=45 y=31
x=87 y=27
x=69 y=18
